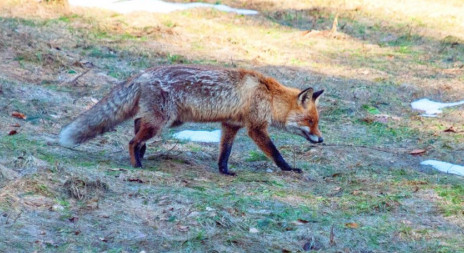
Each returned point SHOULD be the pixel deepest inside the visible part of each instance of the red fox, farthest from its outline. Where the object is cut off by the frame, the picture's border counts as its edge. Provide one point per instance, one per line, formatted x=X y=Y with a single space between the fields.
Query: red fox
x=168 y=96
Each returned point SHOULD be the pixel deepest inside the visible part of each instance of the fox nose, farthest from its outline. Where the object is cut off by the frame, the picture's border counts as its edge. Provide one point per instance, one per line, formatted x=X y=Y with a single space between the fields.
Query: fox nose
x=321 y=140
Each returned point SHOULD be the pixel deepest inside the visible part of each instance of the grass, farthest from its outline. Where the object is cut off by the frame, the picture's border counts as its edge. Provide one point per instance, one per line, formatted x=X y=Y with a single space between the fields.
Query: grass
x=256 y=156
x=452 y=199
x=377 y=63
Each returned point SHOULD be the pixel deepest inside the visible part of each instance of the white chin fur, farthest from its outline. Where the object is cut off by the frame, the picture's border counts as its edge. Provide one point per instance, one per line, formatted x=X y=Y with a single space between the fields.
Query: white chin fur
x=65 y=137
x=314 y=138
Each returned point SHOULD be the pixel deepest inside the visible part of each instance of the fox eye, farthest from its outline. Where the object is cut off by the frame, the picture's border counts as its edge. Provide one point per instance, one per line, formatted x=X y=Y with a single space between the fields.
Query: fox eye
x=310 y=121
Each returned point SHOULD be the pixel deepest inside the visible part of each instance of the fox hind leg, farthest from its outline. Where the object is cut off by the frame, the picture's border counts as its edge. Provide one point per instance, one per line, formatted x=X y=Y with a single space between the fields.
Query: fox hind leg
x=227 y=138
x=146 y=130
x=140 y=150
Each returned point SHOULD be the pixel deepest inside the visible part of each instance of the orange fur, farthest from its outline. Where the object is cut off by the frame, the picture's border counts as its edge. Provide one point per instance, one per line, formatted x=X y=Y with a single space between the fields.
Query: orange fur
x=167 y=96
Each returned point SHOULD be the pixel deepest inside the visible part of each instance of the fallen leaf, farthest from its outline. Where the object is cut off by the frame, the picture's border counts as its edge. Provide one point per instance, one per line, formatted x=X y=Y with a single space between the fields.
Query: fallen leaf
x=351 y=225
x=183 y=228
x=337 y=174
x=73 y=219
x=368 y=120
x=138 y=180
x=18 y=115
x=297 y=223
x=78 y=64
x=417 y=182
x=77 y=232
x=417 y=152
x=356 y=192
x=117 y=169
x=303 y=221
x=305 y=32
x=450 y=130
x=12 y=132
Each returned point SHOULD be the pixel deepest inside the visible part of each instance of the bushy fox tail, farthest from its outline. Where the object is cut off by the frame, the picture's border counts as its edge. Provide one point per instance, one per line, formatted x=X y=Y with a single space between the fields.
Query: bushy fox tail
x=119 y=105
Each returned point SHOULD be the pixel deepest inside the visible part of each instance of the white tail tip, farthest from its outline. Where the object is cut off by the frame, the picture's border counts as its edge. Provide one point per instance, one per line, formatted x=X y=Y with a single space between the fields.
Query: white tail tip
x=66 y=139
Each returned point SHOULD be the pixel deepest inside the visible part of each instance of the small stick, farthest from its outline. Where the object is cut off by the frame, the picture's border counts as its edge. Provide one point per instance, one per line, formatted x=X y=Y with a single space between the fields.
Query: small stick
x=332 y=236
x=77 y=77
x=358 y=146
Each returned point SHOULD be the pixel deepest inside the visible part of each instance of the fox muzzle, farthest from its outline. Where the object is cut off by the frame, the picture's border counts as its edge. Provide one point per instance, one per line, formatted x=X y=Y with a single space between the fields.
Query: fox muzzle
x=315 y=139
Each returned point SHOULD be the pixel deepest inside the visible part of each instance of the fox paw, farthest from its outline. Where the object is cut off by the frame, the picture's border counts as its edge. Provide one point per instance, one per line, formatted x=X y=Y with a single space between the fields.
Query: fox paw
x=296 y=170
x=228 y=173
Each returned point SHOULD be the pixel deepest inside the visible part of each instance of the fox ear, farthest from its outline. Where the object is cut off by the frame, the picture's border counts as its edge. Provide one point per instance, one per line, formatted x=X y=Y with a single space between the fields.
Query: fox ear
x=304 y=95
x=317 y=94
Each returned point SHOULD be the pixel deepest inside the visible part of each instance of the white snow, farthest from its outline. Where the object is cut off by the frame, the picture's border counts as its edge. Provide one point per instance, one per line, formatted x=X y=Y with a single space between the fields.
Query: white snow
x=430 y=107
x=199 y=136
x=157 y=6
x=445 y=167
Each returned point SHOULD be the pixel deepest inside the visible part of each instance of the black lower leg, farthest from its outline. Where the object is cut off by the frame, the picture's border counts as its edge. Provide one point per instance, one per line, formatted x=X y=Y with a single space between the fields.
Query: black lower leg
x=224 y=158
x=279 y=160
x=140 y=149
x=227 y=139
x=263 y=141
x=281 y=163
x=137 y=163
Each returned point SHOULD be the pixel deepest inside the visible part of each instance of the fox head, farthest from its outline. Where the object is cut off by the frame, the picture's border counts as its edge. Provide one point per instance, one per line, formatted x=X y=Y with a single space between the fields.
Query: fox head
x=304 y=119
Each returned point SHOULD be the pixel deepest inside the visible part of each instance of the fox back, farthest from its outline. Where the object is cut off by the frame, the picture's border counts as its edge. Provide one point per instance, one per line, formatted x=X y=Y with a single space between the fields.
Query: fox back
x=170 y=95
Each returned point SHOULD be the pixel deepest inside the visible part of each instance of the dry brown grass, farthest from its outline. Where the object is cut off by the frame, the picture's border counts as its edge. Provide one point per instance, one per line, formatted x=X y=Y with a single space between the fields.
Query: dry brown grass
x=34 y=9
x=57 y=199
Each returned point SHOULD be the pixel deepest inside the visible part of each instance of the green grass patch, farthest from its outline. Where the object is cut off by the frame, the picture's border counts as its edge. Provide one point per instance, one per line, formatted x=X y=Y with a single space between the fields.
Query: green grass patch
x=98 y=52
x=453 y=199
x=377 y=132
x=371 y=109
x=255 y=156
x=380 y=203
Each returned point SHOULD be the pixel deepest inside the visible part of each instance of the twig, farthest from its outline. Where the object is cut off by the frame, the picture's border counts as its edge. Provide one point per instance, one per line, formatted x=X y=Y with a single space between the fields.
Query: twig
x=294 y=156
x=334 y=24
x=17 y=217
x=77 y=77
x=165 y=153
x=332 y=236
x=359 y=146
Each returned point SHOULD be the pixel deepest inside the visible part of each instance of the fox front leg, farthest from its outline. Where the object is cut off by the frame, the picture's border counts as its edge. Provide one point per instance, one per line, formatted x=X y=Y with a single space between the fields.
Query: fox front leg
x=264 y=142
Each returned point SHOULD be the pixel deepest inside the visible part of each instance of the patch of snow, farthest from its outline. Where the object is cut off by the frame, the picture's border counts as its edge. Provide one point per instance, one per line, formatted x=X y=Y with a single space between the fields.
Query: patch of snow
x=445 y=167
x=430 y=107
x=199 y=136
x=157 y=6
x=254 y=230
